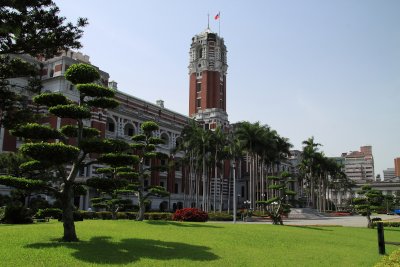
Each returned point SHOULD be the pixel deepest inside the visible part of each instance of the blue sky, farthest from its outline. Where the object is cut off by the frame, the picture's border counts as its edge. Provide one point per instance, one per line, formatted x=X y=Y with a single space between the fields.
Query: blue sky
x=328 y=69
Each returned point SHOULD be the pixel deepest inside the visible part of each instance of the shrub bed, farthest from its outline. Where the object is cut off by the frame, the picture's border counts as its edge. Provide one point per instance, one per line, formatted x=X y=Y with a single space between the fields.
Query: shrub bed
x=107 y=215
x=220 y=216
x=190 y=215
x=17 y=215
x=387 y=224
x=50 y=212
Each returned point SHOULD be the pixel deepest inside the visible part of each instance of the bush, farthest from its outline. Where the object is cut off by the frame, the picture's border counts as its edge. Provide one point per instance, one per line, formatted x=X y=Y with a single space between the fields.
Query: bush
x=220 y=216
x=78 y=216
x=391 y=260
x=387 y=224
x=4 y=200
x=105 y=215
x=190 y=215
x=50 y=212
x=17 y=215
x=122 y=216
x=166 y=216
x=88 y=215
x=38 y=203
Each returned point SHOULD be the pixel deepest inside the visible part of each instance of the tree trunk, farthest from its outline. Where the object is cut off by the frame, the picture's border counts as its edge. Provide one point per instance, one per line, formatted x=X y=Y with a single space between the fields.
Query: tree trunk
x=68 y=213
x=140 y=215
x=369 y=225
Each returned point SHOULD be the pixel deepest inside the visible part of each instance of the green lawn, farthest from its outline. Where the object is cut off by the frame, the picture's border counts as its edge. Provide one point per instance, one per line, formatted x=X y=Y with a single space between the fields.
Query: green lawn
x=155 y=243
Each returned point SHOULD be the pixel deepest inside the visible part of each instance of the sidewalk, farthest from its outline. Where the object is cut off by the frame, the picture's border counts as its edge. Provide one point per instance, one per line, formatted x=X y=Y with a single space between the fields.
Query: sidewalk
x=351 y=221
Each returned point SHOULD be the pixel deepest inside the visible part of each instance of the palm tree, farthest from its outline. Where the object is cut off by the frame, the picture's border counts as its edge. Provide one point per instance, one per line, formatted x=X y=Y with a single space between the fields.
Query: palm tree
x=308 y=165
x=195 y=143
x=250 y=135
x=218 y=141
x=234 y=152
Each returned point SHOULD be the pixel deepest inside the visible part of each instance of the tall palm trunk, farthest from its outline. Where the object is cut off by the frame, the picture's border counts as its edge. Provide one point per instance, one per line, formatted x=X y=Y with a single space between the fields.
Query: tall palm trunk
x=204 y=179
x=215 y=183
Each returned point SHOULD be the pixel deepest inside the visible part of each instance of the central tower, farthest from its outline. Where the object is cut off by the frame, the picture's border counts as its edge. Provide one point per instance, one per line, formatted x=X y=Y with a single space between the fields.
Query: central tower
x=207 y=72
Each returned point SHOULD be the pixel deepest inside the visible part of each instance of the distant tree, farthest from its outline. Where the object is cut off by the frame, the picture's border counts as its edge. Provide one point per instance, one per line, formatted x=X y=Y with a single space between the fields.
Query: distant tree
x=278 y=205
x=369 y=200
x=33 y=28
x=144 y=147
x=65 y=160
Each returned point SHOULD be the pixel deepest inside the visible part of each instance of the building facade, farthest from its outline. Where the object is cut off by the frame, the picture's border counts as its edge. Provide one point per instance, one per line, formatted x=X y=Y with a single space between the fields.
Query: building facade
x=359 y=165
x=119 y=123
x=388 y=174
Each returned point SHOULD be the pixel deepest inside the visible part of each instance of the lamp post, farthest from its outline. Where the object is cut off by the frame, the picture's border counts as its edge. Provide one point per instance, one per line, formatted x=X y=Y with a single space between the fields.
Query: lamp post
x=234 y=190
x=247 y=204
x=262 y=206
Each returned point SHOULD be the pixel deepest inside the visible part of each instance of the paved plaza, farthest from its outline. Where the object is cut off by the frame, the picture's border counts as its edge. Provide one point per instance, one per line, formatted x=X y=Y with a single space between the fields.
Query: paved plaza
x=351 y=221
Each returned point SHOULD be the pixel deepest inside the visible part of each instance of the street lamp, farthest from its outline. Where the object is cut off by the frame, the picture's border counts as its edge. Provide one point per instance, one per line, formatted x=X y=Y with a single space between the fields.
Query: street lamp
x=234 y=190
x=247 y=204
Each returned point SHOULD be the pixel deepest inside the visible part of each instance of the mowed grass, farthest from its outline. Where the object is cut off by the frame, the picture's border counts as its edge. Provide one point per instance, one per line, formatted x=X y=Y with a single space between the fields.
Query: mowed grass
x=155 y=243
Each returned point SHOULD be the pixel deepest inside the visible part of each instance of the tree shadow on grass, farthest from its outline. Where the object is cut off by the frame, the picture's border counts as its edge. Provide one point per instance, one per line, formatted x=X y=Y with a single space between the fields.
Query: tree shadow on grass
x=103 y=250
x=181 y=224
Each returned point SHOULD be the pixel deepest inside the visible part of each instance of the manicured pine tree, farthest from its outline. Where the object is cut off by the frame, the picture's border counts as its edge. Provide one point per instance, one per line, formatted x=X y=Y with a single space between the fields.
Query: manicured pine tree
x=116 y=179
x=65 y=160
x=144 y=147
x=368 y=201
x=278 y=205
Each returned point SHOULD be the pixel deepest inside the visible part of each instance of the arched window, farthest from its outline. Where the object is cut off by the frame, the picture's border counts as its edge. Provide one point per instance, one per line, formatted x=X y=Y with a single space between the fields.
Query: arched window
x=165 y=138
x=129 y=130
x=200 y=52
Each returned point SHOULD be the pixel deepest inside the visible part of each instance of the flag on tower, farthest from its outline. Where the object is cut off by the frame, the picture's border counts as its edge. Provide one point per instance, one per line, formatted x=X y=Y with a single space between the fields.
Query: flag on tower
x=217 y=16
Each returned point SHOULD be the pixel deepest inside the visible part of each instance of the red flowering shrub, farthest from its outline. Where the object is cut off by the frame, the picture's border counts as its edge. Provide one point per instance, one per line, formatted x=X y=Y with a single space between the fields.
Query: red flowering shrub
x=190 y=215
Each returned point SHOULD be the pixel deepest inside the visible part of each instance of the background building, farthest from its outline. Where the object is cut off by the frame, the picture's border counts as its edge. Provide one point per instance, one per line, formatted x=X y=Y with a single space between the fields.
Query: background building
x=397 y=167
x=388 y=174
x=359 y=165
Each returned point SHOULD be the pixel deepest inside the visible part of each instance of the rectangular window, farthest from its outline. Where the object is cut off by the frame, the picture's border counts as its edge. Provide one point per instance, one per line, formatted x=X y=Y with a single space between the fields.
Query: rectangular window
x=111 y=127
x=198 y=104
x=176 y=191
x=198 y=87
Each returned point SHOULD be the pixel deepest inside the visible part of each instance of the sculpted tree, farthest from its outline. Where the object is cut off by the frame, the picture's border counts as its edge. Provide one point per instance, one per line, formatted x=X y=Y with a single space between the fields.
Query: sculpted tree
x=65 y=160
x=368 y=201
x=144 y=147
x=278 y=205
x=116 y=178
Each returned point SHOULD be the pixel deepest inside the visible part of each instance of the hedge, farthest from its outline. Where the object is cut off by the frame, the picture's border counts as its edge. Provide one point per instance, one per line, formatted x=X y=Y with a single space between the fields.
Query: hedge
x=388 y=224
x=107 y=215
x=220 y=216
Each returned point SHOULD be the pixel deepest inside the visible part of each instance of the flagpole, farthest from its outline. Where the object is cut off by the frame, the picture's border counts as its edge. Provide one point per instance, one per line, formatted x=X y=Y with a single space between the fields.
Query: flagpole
x=219 y=24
